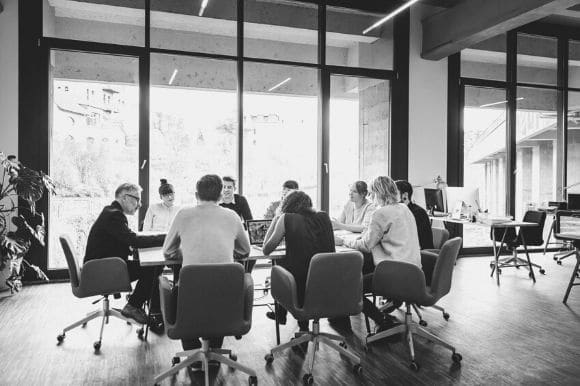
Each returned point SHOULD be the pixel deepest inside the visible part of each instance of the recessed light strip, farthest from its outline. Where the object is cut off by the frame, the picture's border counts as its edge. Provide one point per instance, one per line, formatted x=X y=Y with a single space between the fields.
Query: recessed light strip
x=172 y=77
x=499 y=103
x=202 y=8
x=279 y=84
x=390 y=15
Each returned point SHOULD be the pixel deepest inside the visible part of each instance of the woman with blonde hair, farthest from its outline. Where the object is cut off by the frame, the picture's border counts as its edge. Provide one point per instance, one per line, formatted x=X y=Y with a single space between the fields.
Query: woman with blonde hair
x=391 y=235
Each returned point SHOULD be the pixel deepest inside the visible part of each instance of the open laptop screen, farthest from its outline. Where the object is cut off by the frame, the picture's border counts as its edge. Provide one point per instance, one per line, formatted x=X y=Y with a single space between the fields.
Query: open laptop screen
x=257 y=230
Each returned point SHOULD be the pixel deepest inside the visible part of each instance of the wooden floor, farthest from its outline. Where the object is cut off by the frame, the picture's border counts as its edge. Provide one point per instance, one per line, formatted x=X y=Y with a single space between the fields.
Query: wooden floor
x=518 y=333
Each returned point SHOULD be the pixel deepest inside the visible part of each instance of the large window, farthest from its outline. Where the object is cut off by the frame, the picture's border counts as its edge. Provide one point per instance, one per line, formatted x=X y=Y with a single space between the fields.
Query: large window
x=484 y=160
x=573 y=143
x=359 y=134
x=94 y=141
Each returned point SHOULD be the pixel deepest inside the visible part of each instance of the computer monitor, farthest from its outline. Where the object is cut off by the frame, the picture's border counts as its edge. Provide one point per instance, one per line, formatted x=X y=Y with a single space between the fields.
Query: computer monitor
x=574 y=201
x=257 y=230
x=469 y=196
x=434 y=200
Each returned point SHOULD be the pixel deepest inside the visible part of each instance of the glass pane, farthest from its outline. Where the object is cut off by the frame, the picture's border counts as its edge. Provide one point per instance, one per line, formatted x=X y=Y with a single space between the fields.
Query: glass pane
x=484 y=144
x=111 y=21
x=194 y=25
x=94 y=141
x=360 y=121
x=485 y=60
x=349 y=44
x=537 y=59
x=574 y=64
x=194 y=126
x=280 y=132
x=280 y=29
x=573 y=175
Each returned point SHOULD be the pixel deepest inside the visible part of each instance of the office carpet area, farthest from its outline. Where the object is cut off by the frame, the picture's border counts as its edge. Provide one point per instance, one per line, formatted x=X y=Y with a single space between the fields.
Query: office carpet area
x=517 y=333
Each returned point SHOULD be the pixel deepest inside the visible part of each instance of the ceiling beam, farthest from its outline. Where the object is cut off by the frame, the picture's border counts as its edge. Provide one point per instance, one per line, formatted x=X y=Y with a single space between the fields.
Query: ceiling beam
x=473 y=21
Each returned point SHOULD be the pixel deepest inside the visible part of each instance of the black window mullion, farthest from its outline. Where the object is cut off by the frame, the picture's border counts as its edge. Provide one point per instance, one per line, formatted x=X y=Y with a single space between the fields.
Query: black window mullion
x=240 y=91
x=323 y=113
x=562 y=118
x=511 y=156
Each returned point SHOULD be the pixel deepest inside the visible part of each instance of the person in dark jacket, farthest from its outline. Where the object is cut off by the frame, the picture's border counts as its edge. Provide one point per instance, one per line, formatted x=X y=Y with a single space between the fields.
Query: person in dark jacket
x=421 y=217
x=110 y=236
x=235 y=202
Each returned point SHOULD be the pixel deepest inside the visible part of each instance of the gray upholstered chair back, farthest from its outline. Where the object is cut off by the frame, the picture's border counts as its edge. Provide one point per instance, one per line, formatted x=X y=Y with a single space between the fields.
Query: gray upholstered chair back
x=334 y=284
x=443 y=272
x=213 y=300
x=73 y=266
x=440 y=237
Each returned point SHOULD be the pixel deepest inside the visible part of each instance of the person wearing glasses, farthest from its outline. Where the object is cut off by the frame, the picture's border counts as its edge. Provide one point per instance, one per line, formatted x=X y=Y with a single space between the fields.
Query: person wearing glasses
x=159 y=216
x=110 y=236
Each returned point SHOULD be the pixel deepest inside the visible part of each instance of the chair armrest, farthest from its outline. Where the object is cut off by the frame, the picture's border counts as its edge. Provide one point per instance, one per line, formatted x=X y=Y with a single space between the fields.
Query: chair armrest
x=284 y=288
x=248 y=297
x=104 y=277
x=398 y=280
x=168 y=301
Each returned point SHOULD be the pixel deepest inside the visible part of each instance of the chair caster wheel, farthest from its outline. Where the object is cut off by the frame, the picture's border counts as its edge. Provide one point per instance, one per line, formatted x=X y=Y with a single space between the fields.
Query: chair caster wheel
x=357 y=369
x=128 y=323
x=233 y=357
x=140 y=333
x=555 y=258
x=559 y=262
x=499 y=271
x=308 y=379
x=84 y=325
x=446 y=316
x=343 y=345
x=175 y=360
x=414 y=366
x=269 y=358
x=238 y=337
x=97 y=346
x=456 y=357
x=491 y=264
x=531 y=275
x=543 y=271
x=253 y=381
x=422 y=323
x=60 y=338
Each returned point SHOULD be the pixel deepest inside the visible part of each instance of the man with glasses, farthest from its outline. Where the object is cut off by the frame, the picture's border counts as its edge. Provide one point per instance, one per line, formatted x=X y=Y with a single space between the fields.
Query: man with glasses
x=110 y=236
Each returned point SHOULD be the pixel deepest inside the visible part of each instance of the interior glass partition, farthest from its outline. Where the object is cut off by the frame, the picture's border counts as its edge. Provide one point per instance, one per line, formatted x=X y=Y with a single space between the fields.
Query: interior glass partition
x=94 y=141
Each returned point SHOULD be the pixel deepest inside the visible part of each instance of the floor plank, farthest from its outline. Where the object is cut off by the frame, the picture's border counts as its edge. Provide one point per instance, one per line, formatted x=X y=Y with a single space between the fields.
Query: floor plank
x=518 y=333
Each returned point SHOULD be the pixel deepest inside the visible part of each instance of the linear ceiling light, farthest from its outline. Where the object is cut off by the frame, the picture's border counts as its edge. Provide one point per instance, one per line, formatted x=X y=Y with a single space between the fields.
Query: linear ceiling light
x=390 y=16
x=202 y=8
x=280 y=84
x=499 y=103
x=172 y=77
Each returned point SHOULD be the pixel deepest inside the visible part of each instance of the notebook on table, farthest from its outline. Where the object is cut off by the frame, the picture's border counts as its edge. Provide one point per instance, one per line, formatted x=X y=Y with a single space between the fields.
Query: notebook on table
x=257 y=230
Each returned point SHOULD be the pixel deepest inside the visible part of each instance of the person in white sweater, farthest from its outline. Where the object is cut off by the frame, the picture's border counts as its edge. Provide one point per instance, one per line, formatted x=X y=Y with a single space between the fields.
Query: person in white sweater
x=159 y=216
x=391 y=235
x=205 y=234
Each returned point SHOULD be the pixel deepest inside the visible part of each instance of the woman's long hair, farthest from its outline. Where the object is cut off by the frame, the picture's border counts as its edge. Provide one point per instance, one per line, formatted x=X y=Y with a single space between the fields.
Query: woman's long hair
x=297 y=201
x=385 y=190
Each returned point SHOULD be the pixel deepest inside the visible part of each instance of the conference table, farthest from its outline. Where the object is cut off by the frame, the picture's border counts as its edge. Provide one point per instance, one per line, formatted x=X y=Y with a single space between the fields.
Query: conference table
x=153 y=257
x=496 y=264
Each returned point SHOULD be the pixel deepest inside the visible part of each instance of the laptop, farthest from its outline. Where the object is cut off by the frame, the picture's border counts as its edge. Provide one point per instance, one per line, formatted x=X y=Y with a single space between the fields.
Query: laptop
x=257 y=230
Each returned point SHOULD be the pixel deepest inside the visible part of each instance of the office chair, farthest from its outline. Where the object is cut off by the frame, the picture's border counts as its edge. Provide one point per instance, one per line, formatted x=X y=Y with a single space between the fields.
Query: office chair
x=333 y=289
x=405 y=282
x=213 y=300
x=552 y=209
x=569 y=230
x=533 y=236
x=440 y=237
x=101 y=277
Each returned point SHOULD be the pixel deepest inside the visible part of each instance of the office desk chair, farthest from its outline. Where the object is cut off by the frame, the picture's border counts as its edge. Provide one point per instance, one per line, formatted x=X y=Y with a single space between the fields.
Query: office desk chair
x=101 y=277
x=440 y=237
x=567 y=227
x=213 y=300
x=553 y=208
x=333 y=289
x=533 y=236
x=405 y=282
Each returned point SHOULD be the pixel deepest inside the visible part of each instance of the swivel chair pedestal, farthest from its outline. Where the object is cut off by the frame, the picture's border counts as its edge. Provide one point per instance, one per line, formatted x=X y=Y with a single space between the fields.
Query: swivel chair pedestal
x=409 y=328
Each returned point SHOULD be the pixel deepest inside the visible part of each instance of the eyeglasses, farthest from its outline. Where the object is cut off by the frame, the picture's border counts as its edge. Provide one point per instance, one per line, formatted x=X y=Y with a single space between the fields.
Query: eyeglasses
x=138 y=199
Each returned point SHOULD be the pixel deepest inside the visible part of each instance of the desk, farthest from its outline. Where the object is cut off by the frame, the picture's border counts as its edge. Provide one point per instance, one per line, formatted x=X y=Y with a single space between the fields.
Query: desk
x=496 y=265
x=575 y=238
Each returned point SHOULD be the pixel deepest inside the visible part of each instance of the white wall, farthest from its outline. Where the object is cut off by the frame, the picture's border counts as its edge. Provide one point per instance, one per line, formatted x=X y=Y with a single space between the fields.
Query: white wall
x=427 y=108
x=9 y=77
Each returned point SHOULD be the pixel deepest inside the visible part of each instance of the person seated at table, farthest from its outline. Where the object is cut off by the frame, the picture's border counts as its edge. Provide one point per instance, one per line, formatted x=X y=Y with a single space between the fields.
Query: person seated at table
x=274 y=207
x=391 y=235
x=110 y=236
x=205 y=234
x=307 y=232
x=357 y=212
x=160 y=215
x=233 y=201
x=421 y=217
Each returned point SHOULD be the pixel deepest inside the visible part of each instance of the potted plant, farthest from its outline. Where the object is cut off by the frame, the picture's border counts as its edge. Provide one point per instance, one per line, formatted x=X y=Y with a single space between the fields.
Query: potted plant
x=18 y=181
